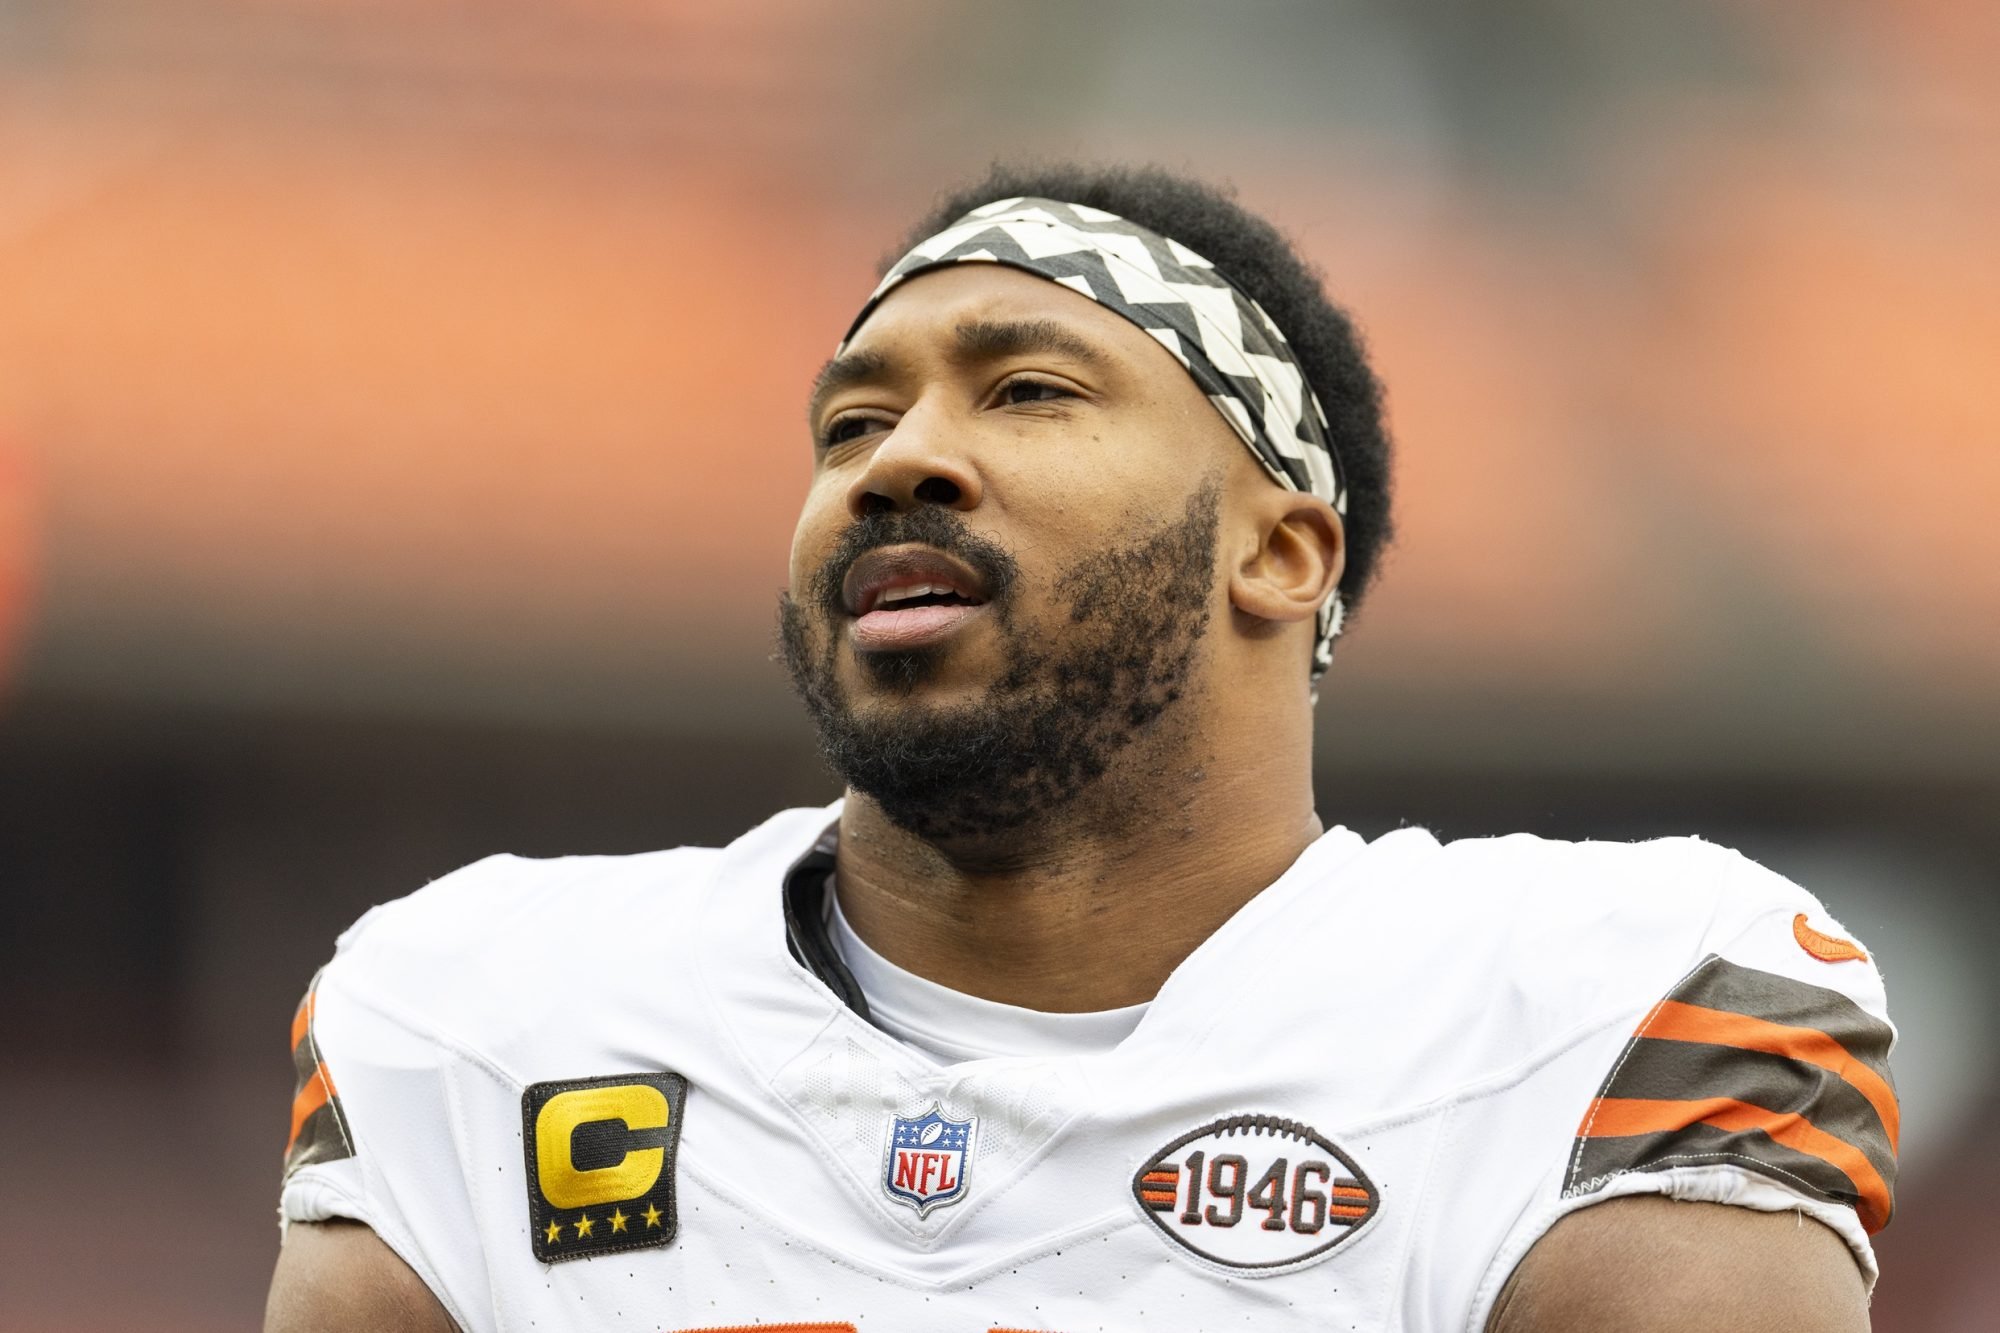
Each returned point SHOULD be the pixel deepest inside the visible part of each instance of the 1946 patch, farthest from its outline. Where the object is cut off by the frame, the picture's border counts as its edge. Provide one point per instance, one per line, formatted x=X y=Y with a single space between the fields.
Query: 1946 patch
x=1255 y=1193
x=601 y=1162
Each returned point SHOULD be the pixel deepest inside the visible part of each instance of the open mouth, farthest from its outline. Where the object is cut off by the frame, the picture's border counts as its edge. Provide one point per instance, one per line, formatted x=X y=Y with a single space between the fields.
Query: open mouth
x=928 y=594
x=908 y=597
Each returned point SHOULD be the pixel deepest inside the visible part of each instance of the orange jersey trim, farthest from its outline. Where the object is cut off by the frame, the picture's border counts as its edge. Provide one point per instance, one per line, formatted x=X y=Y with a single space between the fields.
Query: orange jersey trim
x=1615 y=1117
x=315 y=1094
x=302 y=1020
x=1689 y=1022
x=777 y=1328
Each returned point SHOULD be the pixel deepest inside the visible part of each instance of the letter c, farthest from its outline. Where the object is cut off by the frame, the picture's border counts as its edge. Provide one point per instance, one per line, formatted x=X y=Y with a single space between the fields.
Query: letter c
x=637 y=1105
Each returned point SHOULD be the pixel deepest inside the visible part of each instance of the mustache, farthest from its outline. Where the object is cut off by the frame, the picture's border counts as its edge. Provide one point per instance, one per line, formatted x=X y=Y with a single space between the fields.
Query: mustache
x=928 y=525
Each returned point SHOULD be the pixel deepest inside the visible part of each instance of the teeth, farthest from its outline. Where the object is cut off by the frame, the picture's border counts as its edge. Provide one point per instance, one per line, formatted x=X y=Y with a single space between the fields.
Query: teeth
x=911 y=590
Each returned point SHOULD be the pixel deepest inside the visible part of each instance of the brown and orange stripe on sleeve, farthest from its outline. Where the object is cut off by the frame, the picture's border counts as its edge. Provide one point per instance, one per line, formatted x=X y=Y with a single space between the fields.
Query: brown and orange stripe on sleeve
x=319 y=1125
x=1747 y=1068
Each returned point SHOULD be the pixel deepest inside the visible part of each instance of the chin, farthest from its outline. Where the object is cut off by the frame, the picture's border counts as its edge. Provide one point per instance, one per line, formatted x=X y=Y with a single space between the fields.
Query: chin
x=900 y=673
x=941 y=673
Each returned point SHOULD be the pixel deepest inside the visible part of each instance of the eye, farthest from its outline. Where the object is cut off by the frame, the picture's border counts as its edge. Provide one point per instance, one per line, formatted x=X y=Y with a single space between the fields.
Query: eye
x=1032 y=391
x=849 y=428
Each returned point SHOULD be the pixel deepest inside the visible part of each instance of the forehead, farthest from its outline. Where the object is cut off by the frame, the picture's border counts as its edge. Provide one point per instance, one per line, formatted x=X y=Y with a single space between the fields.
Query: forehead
x=932 y=312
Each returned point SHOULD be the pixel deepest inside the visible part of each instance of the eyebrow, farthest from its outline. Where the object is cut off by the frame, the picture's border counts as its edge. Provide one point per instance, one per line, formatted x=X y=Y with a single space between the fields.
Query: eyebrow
x=854 y=368
x=992 y=339
x=978 y=340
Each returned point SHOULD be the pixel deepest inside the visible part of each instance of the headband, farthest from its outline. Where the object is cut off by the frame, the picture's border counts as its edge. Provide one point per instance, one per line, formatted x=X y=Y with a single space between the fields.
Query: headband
x=1233 y=350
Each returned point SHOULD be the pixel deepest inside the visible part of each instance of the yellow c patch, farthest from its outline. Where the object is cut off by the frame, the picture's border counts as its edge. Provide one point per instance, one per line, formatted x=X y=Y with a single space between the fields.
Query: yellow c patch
x=600 y=1156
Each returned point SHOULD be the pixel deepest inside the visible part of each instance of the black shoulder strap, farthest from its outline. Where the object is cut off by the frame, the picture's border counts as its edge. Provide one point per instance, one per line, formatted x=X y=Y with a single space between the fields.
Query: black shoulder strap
x=805 y=923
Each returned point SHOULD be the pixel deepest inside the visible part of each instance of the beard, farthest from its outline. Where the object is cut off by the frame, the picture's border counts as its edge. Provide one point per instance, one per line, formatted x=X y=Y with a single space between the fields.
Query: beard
x=1070 y=696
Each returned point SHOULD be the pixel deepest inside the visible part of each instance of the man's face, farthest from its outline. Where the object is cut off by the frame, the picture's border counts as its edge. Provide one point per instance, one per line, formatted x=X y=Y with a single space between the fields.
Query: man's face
x=1008 y=554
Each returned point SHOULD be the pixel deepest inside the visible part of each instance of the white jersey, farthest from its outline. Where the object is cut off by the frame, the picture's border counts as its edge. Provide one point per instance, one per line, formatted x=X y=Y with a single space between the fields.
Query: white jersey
x=604 y=1093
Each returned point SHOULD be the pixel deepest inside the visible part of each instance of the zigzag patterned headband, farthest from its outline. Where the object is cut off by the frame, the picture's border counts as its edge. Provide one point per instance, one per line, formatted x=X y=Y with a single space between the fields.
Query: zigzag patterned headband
x=1228 y=345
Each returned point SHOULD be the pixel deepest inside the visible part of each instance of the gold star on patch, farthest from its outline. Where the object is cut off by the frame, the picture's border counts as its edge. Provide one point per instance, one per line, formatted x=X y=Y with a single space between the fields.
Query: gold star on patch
x=618 y=1220
x=553 y=1233
x=583 y=1226
x=652 y=1216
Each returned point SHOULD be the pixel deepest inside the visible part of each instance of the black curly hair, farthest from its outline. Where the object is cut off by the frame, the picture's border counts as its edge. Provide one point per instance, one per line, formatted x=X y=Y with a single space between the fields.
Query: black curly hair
x=1255 y=256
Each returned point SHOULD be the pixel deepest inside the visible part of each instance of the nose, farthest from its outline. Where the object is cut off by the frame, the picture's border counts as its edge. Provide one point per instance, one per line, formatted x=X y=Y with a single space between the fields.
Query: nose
x=922 y=461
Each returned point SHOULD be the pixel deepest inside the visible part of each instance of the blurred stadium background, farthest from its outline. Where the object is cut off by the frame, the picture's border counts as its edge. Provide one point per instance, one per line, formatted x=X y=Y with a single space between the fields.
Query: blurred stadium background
x=400 y=432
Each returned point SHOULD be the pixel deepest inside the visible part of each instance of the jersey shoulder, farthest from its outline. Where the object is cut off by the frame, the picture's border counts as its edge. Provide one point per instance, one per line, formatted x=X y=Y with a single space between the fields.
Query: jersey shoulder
x=1592 y=928
x=462 y=941
x=1494 y=952
x=478 y=953
x=1752 y=1030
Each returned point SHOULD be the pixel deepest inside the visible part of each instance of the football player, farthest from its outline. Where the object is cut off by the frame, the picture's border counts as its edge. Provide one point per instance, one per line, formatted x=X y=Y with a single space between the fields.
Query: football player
x=1073 y=1015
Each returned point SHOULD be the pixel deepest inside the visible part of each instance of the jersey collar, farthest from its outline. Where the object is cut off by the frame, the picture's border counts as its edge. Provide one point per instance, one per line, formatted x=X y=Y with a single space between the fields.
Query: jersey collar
x=805 y=921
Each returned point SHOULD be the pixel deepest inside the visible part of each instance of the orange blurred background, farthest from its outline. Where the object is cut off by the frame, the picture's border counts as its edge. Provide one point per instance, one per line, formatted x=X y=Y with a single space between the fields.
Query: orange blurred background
x=401 y=430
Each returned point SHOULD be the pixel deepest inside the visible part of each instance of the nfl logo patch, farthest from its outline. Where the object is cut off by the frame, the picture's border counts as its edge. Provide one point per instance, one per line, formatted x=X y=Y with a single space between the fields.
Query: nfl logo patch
x=927 y=1159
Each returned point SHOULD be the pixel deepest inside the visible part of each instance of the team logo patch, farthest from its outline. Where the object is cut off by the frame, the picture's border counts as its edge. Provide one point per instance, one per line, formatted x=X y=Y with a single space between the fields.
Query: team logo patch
x=601 y=1162
x=1826 y=948
x=927 y=1160
x=1256 y=1193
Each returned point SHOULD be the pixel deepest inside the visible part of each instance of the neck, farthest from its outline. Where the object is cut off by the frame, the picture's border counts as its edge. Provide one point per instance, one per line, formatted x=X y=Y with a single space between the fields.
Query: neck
x=1039 y=922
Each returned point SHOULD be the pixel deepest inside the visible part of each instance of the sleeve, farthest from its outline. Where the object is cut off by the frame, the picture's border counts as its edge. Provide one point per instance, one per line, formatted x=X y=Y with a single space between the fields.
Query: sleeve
x=373 y=1136
x=1759 y=1079
x=319 y=1155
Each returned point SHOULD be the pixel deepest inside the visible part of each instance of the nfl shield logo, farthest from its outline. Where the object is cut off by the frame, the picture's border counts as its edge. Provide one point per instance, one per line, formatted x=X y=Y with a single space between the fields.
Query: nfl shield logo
x=927 y=1159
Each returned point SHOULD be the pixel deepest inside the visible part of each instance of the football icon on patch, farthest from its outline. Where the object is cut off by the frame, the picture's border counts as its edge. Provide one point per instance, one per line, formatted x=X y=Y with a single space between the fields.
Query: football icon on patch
x=927 y=1160
x=1255 y=1193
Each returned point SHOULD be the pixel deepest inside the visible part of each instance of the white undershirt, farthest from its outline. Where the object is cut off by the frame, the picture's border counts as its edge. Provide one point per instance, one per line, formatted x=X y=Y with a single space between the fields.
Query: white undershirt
x=951 y=1026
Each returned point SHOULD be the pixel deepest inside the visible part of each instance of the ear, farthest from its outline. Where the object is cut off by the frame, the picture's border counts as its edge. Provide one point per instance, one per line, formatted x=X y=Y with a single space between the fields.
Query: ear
x=1300 y=551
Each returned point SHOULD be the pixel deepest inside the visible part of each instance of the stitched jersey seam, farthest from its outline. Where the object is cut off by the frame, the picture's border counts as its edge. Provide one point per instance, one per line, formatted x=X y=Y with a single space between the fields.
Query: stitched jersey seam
x=1597 y=1102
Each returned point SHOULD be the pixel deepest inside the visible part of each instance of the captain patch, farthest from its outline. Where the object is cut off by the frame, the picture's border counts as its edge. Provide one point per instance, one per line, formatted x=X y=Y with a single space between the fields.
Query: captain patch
x=601 y=1162
x=1255 y=1193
